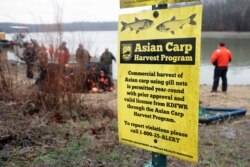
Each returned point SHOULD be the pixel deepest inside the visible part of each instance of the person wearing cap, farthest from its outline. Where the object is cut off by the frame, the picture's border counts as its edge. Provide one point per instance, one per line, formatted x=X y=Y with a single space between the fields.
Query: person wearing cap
x=106 y=61
x=221 y=58
x=62 y=54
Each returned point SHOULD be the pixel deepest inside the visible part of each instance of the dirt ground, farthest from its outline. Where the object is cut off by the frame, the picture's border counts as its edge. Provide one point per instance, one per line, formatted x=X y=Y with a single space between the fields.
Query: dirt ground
x=42 y=139
x=236 y=97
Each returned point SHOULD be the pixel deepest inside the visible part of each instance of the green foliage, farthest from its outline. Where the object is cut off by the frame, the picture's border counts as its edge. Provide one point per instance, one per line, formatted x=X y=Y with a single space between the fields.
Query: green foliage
x=72 y=155
x=47 y=157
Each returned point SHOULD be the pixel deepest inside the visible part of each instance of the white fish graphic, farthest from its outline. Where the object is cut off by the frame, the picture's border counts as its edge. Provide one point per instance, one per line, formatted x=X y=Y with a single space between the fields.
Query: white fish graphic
x=173 y=24
x=137 y=25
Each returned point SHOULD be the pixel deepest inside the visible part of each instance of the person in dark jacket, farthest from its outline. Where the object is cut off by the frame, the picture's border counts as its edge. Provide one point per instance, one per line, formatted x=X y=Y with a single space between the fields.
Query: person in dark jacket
x=221 y=58
x=29 y=56
x=106 y=61
x=42 y=57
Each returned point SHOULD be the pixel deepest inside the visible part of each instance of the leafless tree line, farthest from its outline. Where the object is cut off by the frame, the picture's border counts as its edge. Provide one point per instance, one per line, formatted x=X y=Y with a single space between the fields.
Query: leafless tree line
x=229 y=15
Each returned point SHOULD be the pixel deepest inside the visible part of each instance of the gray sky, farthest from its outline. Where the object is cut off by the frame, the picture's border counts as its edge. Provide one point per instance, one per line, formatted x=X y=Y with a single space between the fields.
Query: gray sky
x=45 y=11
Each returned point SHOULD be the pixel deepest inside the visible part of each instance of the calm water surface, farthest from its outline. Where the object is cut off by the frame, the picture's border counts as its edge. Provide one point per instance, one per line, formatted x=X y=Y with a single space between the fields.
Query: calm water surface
x=97 y=41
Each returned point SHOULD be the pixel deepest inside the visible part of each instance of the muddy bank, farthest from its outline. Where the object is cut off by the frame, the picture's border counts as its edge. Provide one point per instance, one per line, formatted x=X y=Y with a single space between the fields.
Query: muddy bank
x=236 y=97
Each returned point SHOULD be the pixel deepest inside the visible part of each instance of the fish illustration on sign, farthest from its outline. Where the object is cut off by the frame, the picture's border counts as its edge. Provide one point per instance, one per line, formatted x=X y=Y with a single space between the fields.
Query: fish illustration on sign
x=173 y=24
x=137 y=25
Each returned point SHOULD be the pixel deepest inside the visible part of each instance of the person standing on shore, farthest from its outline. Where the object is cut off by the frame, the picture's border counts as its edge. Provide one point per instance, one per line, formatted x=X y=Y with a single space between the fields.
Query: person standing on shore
x=51 y=51
x=221 y=58
x=82 y=56
x=106 y=61
x=42 y=57
x=29 y=56
x=62 y=54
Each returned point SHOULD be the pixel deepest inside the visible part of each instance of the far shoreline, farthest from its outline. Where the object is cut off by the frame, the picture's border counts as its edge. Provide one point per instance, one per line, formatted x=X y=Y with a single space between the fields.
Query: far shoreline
x=225 y=34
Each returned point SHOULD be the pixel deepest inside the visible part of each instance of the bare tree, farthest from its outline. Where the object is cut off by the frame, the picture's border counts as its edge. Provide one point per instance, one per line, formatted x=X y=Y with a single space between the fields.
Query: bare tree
x=230 y=15
x=58 y=19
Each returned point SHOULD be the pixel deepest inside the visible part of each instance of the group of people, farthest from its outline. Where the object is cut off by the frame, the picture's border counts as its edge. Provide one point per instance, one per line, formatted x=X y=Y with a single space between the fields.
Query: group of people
x=99 y=75
x=99 y=78
x=32 y=52
x=98 y=82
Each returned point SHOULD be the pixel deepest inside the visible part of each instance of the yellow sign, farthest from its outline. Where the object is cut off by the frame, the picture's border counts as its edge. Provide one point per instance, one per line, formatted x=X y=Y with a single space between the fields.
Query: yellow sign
x=135 y=3
x=158 y=80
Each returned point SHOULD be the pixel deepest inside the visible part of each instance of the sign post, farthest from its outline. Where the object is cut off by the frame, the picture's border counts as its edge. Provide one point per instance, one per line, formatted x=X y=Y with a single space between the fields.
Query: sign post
x=159 y=160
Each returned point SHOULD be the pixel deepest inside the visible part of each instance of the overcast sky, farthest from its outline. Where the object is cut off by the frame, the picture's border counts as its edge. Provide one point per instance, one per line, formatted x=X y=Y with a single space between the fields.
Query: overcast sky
x=45 y=11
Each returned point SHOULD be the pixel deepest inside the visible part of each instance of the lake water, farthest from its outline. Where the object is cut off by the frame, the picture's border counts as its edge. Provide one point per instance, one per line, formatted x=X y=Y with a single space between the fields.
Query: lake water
x=97 y=41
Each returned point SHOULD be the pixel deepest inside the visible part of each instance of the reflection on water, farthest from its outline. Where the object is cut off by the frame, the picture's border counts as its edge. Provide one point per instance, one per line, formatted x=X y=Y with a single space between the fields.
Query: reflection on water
x=238 y=43
x=236 y=75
